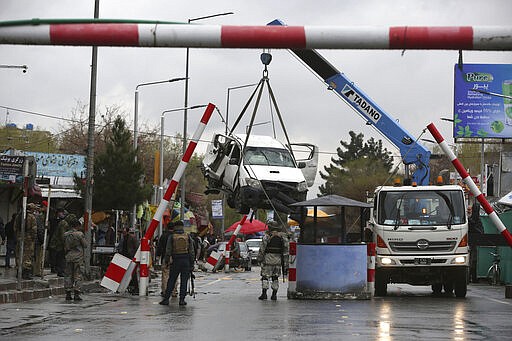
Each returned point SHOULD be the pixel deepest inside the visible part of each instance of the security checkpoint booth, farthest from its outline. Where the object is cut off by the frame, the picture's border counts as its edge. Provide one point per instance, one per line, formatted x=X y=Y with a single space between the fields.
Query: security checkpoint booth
x=330 y=258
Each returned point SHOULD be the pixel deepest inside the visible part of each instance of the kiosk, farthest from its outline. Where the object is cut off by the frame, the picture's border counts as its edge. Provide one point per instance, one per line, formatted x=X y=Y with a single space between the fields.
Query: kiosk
x=330 y=260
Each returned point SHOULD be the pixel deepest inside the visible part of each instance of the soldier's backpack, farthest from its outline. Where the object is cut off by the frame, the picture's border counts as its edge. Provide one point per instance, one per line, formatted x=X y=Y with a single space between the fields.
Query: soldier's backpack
x=275 y=245
x=180 y=243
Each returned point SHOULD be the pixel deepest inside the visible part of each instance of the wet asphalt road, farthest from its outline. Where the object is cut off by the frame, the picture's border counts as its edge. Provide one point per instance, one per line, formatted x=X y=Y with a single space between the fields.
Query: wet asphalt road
x=226 y=308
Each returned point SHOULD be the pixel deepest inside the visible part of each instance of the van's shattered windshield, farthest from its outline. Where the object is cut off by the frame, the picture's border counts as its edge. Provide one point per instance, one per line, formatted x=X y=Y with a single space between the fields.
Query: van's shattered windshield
x=409 y=208
x=258 y=156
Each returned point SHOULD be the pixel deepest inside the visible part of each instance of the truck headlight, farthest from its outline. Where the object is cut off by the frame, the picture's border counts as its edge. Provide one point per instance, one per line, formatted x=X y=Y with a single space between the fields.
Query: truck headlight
x=386 y=261
x=253 y=183
x=459 y=260
x=302 y=186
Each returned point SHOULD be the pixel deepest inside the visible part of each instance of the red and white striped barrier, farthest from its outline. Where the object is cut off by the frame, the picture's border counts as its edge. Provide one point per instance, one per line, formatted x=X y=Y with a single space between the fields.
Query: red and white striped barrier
x=118 y=274
x=370 y=275
x=212 y=260
x=471 y=184
x=107 y=33
x=232 y=239
x=144 y=267
x=226 y=257
x=292 y=270
x=175 y=181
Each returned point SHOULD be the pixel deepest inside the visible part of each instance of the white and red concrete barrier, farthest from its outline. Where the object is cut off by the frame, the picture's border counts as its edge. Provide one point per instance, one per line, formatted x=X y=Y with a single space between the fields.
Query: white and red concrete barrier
x=292 y=270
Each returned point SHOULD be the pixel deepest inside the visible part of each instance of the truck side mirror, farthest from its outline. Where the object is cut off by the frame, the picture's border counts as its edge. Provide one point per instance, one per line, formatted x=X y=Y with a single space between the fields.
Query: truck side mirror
x=301 y=164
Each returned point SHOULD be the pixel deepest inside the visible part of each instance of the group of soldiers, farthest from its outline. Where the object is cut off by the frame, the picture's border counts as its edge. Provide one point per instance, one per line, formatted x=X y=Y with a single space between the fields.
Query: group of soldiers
x=66 y=247
x=177 y=257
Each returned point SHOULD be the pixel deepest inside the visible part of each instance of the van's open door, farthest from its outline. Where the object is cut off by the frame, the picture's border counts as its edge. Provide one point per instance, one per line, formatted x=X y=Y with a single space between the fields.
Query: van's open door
x=306 y=156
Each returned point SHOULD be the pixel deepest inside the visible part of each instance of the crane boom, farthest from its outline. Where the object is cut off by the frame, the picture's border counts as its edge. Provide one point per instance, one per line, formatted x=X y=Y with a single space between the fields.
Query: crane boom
x=412 y=153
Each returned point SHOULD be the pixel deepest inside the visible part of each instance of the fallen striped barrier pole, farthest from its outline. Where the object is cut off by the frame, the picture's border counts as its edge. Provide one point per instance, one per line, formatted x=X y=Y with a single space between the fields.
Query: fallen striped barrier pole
x=157 y=217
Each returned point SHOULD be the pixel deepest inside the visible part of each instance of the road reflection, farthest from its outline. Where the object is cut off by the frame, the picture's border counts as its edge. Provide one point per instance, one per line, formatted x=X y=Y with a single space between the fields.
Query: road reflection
x=459 y=333
x=385 y=322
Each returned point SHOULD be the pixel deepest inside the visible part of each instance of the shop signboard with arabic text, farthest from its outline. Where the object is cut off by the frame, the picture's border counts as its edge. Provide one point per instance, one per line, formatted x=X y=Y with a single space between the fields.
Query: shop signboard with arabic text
x=481 y=106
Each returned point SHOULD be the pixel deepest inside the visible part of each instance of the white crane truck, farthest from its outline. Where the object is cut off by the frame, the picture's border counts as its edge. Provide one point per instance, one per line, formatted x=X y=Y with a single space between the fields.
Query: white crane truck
x=425 y=247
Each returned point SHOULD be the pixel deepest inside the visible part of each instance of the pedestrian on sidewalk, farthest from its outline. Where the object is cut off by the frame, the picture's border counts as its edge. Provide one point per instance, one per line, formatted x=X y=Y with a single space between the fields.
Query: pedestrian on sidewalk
x=56 y=244
x=74 y=246
x=273 y=256
x=29 y=240
x=180 y=255
x=10 y=235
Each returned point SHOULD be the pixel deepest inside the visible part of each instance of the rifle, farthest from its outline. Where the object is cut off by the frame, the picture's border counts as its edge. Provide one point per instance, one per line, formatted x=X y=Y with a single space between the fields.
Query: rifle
x=192 y=291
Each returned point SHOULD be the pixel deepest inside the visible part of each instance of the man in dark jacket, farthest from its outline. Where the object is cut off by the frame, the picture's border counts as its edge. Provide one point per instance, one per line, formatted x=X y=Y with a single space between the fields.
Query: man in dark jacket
x=180 y=255
x=10 y=235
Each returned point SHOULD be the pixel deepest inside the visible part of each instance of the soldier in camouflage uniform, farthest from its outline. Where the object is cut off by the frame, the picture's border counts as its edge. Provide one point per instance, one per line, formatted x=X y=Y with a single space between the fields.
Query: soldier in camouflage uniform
x=273 y=255
x=57 y=242
x=74 y=246
x=28 y=240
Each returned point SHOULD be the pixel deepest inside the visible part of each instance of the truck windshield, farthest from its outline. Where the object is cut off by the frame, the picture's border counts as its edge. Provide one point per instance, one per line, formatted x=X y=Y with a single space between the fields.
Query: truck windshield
x=409 y=208
x=258 y=156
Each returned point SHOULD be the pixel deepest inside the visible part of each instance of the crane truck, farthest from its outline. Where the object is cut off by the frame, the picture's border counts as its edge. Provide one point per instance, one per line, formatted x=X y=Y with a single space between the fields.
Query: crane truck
x=420 y=231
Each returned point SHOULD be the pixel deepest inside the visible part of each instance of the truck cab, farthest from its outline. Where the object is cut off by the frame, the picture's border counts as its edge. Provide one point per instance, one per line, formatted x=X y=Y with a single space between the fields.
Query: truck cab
x=265 y=174
x=421 y=236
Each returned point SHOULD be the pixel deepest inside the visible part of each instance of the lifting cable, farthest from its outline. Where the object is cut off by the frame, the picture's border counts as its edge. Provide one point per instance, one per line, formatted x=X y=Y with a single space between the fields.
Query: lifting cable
x=266 y=58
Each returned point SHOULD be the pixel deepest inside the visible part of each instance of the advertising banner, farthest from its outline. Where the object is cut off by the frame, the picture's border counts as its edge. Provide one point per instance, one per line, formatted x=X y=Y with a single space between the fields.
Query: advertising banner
x=479 y=110
x=11 y=169
x=217 y=211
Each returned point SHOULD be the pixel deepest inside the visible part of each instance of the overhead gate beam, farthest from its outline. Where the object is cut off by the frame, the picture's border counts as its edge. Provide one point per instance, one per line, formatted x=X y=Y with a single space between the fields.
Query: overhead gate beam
x=492 y=38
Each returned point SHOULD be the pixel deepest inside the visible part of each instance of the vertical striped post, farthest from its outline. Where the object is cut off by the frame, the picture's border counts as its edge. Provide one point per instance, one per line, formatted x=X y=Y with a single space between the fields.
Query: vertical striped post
x=226 y=257
x=471 y=184
x=292 y=270
x=232 y=239
x=370 y=276
x=144 y=267
x=177 y=176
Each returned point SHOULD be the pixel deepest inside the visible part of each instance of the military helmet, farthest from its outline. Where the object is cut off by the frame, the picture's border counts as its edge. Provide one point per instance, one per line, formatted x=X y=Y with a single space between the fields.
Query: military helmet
x=273 y=225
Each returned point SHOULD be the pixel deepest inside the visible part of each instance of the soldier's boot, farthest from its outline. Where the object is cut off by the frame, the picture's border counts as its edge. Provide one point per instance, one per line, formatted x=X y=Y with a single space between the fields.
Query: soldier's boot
x=274 y=295
x=26 y=274
x=77 y=296
x=68 y=296
x=263 y=295
x=182 y=301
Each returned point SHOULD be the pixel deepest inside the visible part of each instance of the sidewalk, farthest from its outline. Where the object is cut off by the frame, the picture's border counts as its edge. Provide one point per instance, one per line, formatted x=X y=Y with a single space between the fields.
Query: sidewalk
x=50 y=285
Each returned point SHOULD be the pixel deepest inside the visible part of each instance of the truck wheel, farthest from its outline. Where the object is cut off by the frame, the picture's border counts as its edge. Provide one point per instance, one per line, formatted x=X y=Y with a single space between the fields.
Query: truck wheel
x=381 y=284
x=437 y=288
x=461 y=287
x=461 y=284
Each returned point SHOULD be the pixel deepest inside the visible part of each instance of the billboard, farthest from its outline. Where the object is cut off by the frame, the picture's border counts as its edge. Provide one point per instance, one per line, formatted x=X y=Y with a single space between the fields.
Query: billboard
x=477 y=112
x=59 y=165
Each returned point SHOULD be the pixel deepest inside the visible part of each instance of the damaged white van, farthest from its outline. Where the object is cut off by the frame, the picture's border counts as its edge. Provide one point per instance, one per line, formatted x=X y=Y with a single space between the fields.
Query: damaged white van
x=265 y=174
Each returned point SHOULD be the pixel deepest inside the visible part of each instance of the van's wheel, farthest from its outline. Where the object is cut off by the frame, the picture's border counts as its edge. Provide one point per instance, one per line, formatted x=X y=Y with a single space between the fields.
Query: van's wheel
x=437 y=288
x=381 y=284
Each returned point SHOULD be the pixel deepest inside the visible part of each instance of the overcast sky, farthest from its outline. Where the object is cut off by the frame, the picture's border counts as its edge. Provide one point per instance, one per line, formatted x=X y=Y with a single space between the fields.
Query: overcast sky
x=415 y=87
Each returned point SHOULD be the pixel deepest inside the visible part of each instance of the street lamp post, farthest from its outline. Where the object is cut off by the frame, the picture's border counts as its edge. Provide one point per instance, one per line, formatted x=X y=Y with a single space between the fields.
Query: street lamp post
x=162 y=117
x=136 y=126
x=183 y=178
